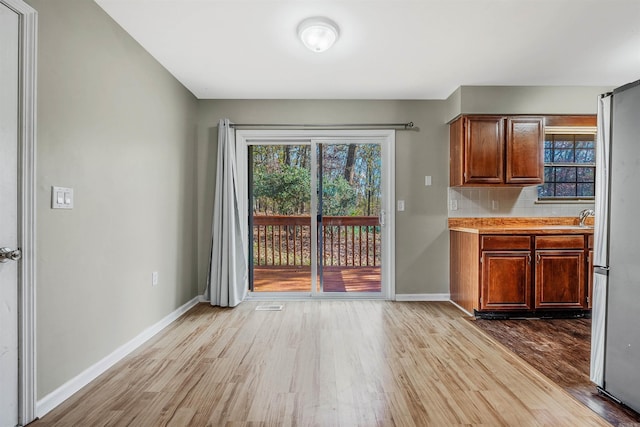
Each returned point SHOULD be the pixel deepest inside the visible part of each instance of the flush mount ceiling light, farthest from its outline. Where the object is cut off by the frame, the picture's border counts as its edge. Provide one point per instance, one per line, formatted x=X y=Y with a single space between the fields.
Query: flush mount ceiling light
x=318 y=33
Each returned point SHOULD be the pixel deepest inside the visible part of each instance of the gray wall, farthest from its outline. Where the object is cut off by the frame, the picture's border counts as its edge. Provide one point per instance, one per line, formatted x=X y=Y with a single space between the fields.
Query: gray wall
x=525 y=100
x=421 y=231
x=118 y=128
x=422 y=244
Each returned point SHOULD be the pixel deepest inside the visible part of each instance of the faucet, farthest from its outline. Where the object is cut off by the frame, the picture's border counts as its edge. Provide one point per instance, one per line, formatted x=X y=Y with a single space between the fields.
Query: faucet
x=582 y=216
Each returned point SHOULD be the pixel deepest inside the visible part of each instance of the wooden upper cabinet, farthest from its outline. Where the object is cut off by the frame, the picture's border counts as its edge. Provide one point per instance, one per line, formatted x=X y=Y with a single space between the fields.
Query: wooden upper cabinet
x=484 y=150
x=525 y=150
x=496 y=151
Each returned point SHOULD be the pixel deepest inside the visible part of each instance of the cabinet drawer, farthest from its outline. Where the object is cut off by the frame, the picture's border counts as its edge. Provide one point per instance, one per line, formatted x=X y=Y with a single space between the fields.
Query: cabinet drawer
x=560 y=242
x=505 y=242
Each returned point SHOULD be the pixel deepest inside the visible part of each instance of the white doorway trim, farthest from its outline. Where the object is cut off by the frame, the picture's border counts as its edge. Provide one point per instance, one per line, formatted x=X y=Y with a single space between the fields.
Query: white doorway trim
x=385 y=137
x=27 y=208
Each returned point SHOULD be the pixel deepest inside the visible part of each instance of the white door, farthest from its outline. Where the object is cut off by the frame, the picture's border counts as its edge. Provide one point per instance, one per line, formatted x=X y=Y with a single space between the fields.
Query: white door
x=9 y=84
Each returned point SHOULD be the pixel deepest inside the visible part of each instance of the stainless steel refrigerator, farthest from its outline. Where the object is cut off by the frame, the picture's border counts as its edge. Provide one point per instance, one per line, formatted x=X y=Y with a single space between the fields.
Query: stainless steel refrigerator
x=615 y=339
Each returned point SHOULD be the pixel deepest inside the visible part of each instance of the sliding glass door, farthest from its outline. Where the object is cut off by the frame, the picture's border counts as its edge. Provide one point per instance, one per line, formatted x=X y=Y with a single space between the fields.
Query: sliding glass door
x=349 y=214
x=280 y=239
x=316 y=209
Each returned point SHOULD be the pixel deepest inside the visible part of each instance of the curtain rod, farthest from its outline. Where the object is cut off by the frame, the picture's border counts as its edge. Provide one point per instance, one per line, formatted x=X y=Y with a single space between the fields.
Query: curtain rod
x=401 y=126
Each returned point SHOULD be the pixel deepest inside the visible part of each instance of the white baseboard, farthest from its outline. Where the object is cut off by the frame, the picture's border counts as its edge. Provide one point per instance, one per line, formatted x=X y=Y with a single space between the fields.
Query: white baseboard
x=423 y=297
x=66 y=390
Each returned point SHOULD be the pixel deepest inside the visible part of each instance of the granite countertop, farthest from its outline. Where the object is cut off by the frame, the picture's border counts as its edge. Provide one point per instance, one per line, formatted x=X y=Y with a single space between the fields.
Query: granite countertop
x=517 y=225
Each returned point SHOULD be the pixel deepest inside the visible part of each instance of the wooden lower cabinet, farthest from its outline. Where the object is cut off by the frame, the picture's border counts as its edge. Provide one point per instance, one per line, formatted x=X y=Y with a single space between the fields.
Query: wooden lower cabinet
x=519 y=273
x=559 y=279
x=506 y=280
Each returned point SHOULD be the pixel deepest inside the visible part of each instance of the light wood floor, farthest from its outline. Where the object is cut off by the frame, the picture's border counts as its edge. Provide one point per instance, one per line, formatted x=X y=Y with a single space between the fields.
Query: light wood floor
x=324 y=363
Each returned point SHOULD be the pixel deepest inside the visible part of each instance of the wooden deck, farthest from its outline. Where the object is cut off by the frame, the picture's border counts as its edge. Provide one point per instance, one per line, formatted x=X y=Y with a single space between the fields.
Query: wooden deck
x=298 y=279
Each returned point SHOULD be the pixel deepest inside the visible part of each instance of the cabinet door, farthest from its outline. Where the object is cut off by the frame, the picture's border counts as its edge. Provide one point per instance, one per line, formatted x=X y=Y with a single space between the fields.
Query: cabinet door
x=484 y=150
x=506 y=280
x=525 y=150
x=559 y=281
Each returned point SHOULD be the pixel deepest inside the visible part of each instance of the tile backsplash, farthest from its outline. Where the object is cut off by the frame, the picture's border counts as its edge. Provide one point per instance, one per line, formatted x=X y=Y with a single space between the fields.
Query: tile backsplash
x=496 y=201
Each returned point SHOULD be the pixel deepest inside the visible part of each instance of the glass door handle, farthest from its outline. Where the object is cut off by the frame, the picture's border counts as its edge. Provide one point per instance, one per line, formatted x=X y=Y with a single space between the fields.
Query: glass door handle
x=381 y=217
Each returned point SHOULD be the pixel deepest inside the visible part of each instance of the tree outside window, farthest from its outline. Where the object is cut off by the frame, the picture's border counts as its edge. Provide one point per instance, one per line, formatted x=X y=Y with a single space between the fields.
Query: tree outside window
x=569 y=167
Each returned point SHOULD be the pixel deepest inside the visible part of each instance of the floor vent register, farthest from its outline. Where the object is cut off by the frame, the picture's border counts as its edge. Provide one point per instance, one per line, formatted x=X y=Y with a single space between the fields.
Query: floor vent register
x=273 y=307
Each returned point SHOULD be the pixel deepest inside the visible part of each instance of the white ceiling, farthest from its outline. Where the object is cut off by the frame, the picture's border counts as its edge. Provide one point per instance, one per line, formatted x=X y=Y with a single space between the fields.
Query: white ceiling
x=388 y=49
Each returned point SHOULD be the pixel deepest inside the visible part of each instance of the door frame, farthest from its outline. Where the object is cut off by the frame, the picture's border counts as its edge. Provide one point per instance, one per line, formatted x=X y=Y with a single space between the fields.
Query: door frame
x=385 y=137
x=27 y=209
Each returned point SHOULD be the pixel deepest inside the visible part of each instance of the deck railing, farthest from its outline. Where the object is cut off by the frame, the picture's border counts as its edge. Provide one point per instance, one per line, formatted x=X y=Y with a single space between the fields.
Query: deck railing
x=285 y=240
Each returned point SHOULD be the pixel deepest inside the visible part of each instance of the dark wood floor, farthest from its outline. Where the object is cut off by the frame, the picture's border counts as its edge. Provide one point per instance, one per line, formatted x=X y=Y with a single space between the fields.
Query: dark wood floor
x=560 y=349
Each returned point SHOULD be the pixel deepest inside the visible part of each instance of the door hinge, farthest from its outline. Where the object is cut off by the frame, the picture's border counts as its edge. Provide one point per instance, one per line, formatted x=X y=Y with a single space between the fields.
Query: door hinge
x=587 y=300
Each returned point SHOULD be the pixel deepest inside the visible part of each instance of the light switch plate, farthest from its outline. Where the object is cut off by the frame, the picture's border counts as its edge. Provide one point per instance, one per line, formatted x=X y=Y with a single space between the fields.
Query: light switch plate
x=400 y=205
x=427 y=180
x=61 y=198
